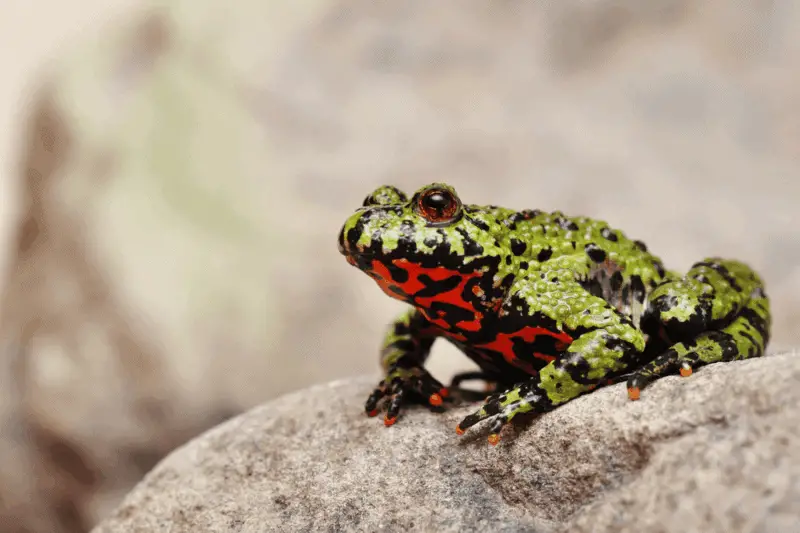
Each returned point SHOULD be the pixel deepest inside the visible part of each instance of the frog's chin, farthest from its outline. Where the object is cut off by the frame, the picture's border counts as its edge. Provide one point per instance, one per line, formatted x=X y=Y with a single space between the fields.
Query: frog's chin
x=360 y=260
x=392 y=290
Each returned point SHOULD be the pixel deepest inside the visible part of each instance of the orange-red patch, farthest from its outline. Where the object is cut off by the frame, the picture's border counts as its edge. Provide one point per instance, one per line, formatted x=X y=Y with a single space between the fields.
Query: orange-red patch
x=413 y=285
x=504 y=345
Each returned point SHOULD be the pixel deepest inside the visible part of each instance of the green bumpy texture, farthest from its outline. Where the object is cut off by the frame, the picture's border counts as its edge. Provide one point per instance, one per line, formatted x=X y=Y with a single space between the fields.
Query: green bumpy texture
x=548 y=306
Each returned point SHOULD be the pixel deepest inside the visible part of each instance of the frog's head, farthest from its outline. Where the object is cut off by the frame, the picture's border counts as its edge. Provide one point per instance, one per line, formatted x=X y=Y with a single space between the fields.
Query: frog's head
x=428 y=248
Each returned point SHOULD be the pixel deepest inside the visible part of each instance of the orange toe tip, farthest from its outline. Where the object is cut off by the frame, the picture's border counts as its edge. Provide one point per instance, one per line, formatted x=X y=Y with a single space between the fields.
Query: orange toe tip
x=633 y=393
x=389 y=421
x=435 y=400
x=444 y=393
x=686 y=371
x=493 y=439
x=459 y=431
x=374 y=412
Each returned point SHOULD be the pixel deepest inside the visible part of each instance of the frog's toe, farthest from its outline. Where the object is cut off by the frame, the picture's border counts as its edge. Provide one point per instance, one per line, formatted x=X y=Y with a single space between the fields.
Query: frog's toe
x=489 y=409
x=371 y=405
x=494 y=410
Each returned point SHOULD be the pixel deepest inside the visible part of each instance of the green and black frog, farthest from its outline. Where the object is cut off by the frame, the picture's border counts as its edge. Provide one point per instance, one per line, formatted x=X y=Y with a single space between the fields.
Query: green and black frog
x=548 y=306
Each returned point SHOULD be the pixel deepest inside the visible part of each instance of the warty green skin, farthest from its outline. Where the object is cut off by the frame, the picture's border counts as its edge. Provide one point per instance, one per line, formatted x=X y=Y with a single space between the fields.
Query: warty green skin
x=549 y=306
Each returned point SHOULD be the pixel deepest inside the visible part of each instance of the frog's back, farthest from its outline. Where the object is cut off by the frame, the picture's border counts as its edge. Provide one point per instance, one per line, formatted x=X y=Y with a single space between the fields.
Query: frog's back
x=605 y=260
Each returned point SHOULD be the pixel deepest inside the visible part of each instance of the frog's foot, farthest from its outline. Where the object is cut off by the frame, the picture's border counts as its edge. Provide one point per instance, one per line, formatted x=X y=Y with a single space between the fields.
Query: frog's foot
x=663 y=365
x=502 y=407
x=400 y=387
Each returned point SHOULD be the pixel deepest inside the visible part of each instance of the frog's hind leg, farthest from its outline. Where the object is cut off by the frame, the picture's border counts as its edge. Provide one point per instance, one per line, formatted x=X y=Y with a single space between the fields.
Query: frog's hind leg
x=719 y=311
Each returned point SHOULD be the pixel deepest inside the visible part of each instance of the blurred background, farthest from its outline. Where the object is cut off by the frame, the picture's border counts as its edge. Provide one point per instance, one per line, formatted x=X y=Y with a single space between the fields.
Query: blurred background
x=173 y=176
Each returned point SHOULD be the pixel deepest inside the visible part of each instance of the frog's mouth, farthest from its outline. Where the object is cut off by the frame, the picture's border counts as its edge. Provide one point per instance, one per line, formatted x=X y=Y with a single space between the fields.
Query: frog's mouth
x=356 y=256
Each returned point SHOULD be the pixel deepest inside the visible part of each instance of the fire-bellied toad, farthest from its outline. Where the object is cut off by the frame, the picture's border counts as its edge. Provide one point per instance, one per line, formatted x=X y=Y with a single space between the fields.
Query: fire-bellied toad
x=548 y=306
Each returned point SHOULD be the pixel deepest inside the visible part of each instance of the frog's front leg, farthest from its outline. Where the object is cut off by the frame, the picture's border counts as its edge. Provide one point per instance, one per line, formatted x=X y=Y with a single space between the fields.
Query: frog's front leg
x=404 y=352
x=607 y=345
x=717 y=312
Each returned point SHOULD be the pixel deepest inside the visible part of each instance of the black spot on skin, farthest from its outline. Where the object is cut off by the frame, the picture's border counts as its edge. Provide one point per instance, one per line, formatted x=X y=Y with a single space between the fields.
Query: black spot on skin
x=640 y=245
x=544 y=254
x=450 y=313
x=405 y=345
x=726 y=342
x=757 y=322
x=407 y=229
x=398 y=291
x=430 y=242
x=523 y=265
x=595 y=253
x=518 y=247
x=637 y=288
x=659 y=268
x=722 y=271
x=697 y=322
x=400 y=275
x=578 y=369
x=433 y=288
x=471 y=247
x=401 y=328
x=525 y=214
x=508 y=259
x=507 y=281
x=478 y=223
x=574 y=245
x=353 y=235
x=593 y=287
x=749 y=337
x=607 y=233
x=616 y=281
x=566 y=224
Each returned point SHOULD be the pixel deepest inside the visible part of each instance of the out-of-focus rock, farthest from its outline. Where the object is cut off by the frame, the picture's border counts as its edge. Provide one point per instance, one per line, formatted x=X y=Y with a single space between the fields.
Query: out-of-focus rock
x=187 y=172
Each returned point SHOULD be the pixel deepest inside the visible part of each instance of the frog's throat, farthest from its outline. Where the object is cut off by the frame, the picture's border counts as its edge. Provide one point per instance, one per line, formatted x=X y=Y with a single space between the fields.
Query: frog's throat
x=449 y=299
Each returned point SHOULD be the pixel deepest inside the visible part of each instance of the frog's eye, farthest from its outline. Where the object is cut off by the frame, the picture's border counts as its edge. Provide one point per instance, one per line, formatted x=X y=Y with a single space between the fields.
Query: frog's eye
x=438 y=206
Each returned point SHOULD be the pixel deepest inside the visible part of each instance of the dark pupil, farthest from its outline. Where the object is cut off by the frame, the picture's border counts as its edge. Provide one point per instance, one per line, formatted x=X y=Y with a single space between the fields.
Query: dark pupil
x=437 y=201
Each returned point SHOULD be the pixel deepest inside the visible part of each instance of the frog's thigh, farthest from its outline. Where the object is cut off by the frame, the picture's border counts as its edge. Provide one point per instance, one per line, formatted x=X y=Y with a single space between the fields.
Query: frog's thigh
x=711 y=294
x=744 y=338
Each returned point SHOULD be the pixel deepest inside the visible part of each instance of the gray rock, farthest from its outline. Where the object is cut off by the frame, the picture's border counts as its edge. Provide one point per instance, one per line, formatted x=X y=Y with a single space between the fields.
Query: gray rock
x=716 y=452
